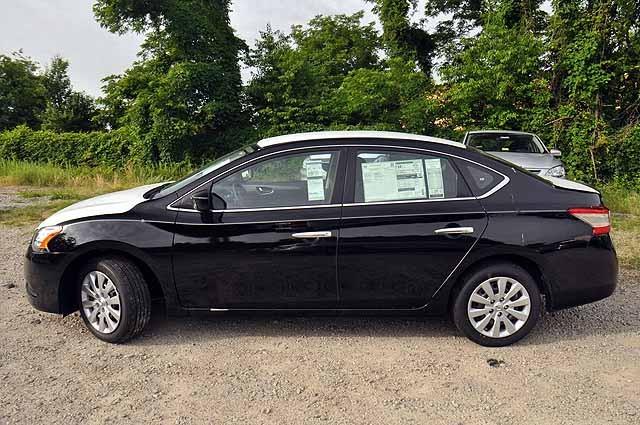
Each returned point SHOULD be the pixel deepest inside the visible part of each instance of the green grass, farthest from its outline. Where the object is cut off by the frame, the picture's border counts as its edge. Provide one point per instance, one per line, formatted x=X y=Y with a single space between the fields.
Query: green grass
x=31 y=214
x=621 y=200
x=59 y=186
x=624 y=204
x=84 y=179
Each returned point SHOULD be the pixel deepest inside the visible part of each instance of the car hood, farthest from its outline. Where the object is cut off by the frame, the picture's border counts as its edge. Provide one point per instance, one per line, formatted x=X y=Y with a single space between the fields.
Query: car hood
x=530 y=161
x=111 y=203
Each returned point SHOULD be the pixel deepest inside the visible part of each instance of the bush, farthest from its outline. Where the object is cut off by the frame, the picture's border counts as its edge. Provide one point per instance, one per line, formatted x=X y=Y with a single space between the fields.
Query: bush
x=624 y=157
x=112 y=149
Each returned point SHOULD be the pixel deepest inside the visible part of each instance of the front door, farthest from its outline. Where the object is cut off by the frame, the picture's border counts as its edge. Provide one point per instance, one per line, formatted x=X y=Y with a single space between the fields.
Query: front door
x=271 y=240
x=409 y=220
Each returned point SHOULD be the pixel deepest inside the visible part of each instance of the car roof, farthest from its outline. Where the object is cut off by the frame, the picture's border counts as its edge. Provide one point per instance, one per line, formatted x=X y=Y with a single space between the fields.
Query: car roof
x=500 y=132
x=324 y=135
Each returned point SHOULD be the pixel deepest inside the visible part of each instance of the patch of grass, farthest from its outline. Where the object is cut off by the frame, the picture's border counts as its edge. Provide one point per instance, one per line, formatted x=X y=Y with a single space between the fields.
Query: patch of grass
x=626 y=238
x=84 y=180
x=31 y=194
x=621 y=200
x=64 y=186
x=32 y=214
x=624 y=204
x=53 y=194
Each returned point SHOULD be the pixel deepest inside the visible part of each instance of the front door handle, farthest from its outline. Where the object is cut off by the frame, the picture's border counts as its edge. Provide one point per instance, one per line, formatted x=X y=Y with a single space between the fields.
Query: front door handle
x=454 y=231
x=263 y=190
x=311 y=235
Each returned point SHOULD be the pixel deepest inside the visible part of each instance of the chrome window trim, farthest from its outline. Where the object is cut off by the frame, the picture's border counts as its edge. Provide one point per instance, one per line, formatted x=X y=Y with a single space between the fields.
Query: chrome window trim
x=301 y=207
x=496 y=188
x=302 y=220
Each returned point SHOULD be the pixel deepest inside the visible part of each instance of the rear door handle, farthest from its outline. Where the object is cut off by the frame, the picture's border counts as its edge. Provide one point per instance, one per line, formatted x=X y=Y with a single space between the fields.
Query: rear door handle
x=454 y=231
x=311 y=235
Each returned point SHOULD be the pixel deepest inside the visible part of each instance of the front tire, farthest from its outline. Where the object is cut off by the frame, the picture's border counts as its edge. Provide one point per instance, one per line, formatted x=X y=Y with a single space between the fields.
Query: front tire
x=113 y=299
x=497 y=305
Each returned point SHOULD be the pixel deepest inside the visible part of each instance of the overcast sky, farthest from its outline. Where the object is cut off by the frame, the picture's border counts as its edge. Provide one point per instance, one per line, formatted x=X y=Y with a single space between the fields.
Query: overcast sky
x=43 y=28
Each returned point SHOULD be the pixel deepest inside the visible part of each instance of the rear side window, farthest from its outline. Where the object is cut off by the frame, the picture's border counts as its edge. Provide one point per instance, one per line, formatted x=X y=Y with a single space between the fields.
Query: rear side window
x=402 y=176
x=481 y=179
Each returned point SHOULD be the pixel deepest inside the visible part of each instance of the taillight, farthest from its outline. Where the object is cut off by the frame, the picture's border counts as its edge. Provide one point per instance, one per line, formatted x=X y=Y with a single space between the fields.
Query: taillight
x=597 y=217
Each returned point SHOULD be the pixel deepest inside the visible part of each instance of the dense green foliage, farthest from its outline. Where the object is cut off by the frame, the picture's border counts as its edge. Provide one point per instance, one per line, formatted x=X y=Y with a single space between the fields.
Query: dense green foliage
x=41 y=99
x=114 y=149
x=571 y=75
x=22 y=92
x=182 y=98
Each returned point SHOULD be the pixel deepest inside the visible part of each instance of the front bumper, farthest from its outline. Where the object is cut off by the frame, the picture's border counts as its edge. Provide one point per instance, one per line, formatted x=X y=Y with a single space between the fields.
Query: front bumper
x=43 y=275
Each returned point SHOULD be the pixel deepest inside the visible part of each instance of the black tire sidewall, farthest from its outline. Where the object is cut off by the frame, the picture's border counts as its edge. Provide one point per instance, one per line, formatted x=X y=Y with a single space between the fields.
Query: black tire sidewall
x=471 y=282
x=124 y=291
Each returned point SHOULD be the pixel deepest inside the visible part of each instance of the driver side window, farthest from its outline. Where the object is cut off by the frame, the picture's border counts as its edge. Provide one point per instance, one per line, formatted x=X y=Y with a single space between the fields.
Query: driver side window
x=286 y=181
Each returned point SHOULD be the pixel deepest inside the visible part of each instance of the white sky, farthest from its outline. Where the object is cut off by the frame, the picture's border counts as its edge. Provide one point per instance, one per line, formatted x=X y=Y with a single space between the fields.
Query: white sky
x=44 y=28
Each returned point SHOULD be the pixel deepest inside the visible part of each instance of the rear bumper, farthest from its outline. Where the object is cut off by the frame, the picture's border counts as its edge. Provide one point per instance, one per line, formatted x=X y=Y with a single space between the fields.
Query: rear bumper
x=43 y=275
x=586 y=275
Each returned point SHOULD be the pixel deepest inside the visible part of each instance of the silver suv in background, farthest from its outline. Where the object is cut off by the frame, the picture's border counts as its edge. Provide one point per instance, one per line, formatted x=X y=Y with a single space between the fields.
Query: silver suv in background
x=523 y=149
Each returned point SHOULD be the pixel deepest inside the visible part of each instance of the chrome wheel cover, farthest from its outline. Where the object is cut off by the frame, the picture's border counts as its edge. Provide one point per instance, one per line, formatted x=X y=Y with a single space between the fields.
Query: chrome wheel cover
x=499 y=307
x=100 y=302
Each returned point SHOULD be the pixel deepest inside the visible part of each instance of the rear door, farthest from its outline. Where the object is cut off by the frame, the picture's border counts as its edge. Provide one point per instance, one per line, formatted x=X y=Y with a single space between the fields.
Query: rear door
x=409 y=218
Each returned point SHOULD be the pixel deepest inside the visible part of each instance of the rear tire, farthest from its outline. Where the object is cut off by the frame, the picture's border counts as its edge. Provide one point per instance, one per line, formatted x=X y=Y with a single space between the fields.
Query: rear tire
x=497 y=305
x=113 y=299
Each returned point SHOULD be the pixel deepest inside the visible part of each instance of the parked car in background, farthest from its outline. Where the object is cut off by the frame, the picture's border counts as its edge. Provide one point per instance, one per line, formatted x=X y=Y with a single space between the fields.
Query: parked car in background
x=523 y=149
x=337 y=222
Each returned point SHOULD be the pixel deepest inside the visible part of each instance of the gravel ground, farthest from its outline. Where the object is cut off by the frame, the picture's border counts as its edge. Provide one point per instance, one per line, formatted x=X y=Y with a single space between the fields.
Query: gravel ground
x=579 y=366
x=9 y=198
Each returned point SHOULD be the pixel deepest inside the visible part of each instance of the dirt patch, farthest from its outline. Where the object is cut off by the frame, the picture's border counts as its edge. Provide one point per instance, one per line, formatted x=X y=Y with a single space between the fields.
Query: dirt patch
x=10 y=198
x=578 y=366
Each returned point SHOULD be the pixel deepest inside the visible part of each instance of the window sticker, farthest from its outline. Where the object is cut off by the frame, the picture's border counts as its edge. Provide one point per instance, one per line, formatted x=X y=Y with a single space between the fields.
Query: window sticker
x=434 y=178
x=315 y=180
x=393 y=180
x=315 y=189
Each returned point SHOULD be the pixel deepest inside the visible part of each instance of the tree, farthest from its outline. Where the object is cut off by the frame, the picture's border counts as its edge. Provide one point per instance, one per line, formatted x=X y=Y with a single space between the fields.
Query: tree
x=22 y=92
x=595 y=66
x=496 y=78
x=183 y=96
x=396 y=97
x=295 y=75
x=66 y=110
x=402 y=38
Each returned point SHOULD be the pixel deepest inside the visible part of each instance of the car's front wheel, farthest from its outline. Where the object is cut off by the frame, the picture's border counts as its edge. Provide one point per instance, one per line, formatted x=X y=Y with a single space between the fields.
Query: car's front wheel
x=114 y=299
x=497 y=305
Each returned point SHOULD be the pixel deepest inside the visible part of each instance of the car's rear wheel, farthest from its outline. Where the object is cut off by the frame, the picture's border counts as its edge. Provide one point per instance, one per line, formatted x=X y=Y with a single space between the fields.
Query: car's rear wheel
x=497 y=305
x=113 y=299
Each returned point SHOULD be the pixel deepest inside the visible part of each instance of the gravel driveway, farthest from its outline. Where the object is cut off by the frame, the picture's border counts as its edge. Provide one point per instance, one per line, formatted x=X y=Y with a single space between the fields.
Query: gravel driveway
x=579 y=366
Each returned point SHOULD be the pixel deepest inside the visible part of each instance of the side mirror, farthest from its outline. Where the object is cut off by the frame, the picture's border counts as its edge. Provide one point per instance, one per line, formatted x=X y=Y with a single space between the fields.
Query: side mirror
x=217 y=202
x=201 y=202
x=555 y=152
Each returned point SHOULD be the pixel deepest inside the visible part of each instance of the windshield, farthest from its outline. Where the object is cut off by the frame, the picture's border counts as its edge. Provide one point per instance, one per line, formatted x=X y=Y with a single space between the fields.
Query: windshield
x=501 y=142
x=212 y=166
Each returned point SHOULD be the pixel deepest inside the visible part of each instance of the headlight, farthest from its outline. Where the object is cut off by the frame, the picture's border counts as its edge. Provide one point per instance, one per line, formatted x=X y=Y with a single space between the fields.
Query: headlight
x=557 y=171
x=43 y=237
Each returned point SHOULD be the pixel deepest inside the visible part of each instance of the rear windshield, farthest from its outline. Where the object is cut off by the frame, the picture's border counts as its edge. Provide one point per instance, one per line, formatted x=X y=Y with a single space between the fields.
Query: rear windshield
x=501 y=142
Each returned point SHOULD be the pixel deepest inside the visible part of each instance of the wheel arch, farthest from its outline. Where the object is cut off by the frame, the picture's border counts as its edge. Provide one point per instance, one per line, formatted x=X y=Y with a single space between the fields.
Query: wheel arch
x=68 y=281
x=529 y=265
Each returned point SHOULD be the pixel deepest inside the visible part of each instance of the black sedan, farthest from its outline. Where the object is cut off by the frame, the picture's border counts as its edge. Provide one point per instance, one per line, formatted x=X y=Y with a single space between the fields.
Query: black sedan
x=332 y=221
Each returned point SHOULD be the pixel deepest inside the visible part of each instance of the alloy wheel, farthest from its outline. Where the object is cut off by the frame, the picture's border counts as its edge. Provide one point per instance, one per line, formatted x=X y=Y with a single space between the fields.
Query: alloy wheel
x=499 y=307
x=100 y=302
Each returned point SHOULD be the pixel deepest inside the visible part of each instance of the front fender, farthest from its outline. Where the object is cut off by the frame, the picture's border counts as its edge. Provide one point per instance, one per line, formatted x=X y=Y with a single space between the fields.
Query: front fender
x=149 y=244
